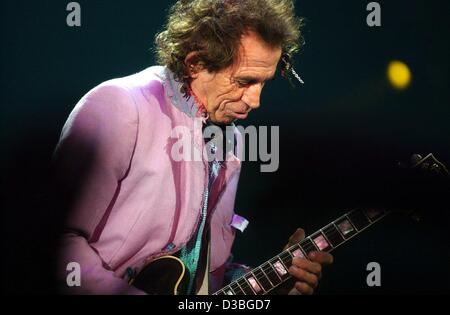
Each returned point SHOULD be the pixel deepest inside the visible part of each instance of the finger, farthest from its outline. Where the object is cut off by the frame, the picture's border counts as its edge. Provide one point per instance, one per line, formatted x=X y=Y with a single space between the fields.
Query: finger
x=298 y=235
x=310 y=266
x=294 y=291
x=322 y=258
x=303 y=288
x=304 y=276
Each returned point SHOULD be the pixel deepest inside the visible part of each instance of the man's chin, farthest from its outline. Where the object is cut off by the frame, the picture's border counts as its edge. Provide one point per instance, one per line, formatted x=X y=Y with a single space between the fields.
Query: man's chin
x=232 y=117
x=225 y=120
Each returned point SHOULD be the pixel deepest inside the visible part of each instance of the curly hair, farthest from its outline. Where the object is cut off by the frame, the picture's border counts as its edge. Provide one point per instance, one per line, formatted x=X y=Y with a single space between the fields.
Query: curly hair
x=213 y=28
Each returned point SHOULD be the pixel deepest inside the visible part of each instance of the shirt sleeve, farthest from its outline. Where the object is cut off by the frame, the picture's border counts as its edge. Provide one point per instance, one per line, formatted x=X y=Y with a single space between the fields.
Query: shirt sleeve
x=91 y=158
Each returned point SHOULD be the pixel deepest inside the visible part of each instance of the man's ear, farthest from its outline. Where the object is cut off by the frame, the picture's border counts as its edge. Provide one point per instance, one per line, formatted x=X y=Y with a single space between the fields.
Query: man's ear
x=193 y=64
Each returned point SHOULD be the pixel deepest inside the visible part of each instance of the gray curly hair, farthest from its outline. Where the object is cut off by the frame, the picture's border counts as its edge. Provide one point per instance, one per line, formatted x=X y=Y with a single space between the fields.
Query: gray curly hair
x=213 y=29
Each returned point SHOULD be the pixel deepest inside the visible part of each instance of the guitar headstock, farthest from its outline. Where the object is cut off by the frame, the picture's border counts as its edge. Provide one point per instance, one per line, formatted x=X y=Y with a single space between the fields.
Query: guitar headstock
x=424 y=185
x=428 y=164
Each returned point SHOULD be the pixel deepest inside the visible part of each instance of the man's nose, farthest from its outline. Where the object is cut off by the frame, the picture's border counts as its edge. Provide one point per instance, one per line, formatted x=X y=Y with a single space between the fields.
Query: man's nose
x=252 y=95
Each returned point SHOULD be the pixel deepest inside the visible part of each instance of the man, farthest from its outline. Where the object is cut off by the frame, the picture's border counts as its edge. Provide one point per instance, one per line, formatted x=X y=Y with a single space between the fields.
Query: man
x=130 y=200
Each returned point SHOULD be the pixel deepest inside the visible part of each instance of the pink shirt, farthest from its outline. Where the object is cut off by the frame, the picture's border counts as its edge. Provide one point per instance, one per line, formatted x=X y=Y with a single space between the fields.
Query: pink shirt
x=136 y=202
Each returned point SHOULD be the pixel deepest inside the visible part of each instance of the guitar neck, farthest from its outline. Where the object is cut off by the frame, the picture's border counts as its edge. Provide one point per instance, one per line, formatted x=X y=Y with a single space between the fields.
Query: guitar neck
x=266 y=277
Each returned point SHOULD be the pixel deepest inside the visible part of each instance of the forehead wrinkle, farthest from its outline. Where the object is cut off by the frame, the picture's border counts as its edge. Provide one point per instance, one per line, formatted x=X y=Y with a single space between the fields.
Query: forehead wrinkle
x=248 y=65
x=249 y=58
x=249 y=75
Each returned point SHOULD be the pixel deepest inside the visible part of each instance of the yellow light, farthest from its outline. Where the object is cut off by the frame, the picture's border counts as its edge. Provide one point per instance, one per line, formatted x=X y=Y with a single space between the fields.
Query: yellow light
x=399 y=74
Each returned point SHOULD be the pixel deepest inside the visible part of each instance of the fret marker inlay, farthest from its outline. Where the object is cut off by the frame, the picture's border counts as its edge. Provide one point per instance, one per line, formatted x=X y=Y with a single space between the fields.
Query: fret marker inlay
x=298 y=253
x=345 y=227
x=254 y=284
x=280 y=268
x=321 y=242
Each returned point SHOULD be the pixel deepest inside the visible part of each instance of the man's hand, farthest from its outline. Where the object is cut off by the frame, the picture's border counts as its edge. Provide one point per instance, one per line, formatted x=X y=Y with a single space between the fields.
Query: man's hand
x=306 y=273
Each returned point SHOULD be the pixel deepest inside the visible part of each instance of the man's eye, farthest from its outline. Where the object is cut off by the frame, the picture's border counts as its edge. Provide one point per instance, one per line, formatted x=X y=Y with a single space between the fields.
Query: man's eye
x=246 y=83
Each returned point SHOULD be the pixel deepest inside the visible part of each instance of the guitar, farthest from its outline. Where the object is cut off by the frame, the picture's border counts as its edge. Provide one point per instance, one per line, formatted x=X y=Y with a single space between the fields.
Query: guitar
x=166 y=275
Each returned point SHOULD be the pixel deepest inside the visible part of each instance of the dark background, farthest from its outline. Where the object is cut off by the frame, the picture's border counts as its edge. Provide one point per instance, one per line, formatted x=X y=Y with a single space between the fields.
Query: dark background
x=341 y=133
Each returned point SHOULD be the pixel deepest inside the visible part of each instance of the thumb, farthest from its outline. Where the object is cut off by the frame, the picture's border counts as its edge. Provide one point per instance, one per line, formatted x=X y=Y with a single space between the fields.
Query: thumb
x=298 y=235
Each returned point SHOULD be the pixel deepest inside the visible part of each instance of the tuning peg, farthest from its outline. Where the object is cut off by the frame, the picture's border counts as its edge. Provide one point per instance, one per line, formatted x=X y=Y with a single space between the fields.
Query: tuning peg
x=435 y=169
x=415 y=158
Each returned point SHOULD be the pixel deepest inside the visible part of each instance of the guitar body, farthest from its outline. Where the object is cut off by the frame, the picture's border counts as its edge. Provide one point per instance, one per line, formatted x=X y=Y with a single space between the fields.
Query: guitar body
x=163 y=276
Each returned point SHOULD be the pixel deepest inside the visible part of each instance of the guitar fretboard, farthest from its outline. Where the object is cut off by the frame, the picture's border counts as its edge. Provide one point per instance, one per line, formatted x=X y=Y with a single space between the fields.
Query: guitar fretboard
x=263 y=279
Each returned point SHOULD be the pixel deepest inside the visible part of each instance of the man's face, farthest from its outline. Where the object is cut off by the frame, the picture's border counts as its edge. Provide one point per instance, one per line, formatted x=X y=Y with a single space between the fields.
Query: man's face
x=233 y=92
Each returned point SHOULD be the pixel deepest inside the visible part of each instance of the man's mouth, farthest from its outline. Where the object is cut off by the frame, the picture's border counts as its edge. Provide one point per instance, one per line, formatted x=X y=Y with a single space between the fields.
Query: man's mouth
x=237 y=115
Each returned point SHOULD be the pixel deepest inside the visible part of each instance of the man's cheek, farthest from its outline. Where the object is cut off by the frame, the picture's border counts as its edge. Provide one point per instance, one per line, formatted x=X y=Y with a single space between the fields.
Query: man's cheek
x=222 y=113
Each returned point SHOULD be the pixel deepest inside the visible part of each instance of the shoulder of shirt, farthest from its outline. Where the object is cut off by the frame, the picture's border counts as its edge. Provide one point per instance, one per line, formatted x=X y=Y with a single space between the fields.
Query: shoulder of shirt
x=144 y=81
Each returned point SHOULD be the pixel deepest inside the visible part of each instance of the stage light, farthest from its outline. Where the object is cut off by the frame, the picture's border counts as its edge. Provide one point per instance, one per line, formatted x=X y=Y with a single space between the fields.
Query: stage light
x=399 y=74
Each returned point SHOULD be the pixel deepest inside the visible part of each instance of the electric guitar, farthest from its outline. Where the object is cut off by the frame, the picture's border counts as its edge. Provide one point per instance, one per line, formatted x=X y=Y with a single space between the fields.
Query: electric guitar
x=166 y=275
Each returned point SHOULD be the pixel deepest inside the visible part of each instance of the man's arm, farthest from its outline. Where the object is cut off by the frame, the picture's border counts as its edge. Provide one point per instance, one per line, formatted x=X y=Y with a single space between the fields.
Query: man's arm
x=92 y=157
